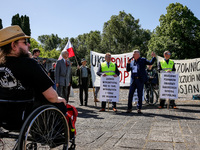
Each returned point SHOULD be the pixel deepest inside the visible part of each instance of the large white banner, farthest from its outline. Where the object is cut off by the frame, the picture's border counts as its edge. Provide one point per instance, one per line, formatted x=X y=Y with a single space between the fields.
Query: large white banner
x=109 y=91
x=169 y=85
x=121 y=61
x=189 y=76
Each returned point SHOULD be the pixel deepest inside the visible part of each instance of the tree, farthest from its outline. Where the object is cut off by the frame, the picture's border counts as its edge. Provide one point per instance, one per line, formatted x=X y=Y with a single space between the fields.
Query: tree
x=44 y=54
x=179 y=32
x=1 y=26
x=25 y=25
x=23 y=22
x=50 y=42
x=122 y=34
x=16 y=20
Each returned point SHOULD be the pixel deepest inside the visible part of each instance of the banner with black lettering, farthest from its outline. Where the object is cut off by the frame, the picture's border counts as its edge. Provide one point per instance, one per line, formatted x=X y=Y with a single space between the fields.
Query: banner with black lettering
x=189 y=76
x=109 y=89
x=121 y=61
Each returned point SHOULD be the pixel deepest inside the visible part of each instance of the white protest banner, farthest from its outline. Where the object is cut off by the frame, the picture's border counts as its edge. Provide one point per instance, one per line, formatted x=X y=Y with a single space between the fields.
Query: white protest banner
x=135 y=96
x=121 y=61
x=109 y=91
x=169 y=85
x=189 y=76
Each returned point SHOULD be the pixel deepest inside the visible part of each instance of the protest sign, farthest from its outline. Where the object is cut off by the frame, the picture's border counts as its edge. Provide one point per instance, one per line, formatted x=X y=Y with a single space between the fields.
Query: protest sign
x=169 y=85
x=109 y=91
x=189 y=76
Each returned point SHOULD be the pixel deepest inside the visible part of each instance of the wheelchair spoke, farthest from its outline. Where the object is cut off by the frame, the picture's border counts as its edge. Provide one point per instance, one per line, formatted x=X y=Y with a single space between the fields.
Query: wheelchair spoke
x=49 y=129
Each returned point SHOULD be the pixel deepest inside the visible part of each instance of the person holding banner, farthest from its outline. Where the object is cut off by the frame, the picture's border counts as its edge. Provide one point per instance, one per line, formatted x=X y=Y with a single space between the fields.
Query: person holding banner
x=137 y=67
x=166 y=65
x=83 y=72
x=108 y=68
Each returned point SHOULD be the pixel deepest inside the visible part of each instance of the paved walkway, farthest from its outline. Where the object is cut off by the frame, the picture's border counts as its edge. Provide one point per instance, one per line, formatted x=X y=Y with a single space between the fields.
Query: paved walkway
x=154 y=129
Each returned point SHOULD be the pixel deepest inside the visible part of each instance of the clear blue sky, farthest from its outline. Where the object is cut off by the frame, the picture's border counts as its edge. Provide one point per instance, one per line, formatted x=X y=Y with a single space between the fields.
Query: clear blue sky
x=69 y=18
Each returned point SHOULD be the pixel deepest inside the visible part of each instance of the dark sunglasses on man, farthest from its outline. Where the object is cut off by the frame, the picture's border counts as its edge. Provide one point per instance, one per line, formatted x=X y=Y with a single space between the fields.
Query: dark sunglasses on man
x=26 y=41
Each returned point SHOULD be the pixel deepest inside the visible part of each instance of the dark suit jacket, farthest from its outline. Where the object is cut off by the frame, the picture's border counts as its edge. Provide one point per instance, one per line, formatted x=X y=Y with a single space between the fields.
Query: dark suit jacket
x=141 y=68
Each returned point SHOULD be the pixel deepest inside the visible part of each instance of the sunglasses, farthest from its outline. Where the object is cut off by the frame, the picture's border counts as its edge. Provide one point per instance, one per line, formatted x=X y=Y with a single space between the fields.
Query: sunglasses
x=168 y=53
x=25 y=42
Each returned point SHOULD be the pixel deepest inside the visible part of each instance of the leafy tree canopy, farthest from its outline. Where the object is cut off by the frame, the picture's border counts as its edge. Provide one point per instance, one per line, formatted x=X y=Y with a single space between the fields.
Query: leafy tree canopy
x=50 y=42
x=179 y=32
x=122 y=33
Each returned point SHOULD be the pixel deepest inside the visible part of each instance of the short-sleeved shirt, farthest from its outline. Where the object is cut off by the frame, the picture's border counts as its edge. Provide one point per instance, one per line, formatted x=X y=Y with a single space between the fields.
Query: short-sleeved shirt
x=23 y=78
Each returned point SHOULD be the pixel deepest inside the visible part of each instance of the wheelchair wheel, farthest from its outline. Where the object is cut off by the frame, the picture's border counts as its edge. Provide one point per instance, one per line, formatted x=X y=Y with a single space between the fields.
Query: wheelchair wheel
x=45 y=128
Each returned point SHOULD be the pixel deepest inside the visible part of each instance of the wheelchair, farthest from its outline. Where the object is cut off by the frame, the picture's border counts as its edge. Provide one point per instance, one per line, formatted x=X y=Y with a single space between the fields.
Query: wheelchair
x=46 y=127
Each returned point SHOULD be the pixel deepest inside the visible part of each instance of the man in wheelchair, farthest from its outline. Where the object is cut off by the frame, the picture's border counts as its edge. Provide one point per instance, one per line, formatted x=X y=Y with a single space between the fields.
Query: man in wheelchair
x=24 y=85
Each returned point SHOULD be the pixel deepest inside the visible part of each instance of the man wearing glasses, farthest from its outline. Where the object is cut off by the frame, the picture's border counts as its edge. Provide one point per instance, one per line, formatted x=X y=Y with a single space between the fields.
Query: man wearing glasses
x=21 y=77
x=167 y=65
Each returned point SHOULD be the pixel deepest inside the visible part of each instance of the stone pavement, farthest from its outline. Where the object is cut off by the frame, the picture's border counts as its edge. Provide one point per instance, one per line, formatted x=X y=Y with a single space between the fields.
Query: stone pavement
x=167 y=129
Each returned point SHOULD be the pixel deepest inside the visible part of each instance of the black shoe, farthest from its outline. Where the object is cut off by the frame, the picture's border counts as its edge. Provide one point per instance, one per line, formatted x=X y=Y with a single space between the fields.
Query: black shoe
x=139 y=111
x=129 y=111
x=85 y=104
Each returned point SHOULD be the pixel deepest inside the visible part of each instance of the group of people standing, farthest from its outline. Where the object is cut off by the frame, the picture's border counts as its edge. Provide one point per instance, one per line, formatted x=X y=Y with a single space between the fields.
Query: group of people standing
x=137 y=66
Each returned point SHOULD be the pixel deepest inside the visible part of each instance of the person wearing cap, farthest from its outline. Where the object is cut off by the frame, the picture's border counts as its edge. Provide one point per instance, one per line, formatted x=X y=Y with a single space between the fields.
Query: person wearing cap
x=36 y=54
x=63 y=74
x=108 y=68
x=166 y=65
x=83 y=72
x=21 y=77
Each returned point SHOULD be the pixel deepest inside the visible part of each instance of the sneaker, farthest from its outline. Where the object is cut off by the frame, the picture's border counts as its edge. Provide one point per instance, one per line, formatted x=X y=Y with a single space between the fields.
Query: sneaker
x=102 y=109
x=160 y=107
x=175 y=107
x=129 y=111
x=114 y=109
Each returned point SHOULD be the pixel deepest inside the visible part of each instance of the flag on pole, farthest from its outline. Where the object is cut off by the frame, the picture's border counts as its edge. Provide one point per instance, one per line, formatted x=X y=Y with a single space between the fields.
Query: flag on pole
x=70 y=50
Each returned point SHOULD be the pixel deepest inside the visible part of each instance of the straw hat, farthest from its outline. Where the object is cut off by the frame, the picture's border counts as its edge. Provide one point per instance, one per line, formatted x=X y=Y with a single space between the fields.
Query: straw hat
x=10 y=34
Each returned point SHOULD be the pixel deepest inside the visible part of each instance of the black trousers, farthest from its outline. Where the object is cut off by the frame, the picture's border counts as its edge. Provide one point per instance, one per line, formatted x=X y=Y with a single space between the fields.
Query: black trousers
x=83 y=87
x=103 y=105
x=162 y=103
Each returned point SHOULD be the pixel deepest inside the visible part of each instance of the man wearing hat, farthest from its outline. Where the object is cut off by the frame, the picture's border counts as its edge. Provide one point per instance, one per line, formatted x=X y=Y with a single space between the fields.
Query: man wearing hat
x=84 y=79
x=36 y=54
x=21 y=77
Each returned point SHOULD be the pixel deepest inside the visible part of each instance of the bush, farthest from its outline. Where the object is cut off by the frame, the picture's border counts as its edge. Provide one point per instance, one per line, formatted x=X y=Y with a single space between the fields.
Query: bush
x=74 y=81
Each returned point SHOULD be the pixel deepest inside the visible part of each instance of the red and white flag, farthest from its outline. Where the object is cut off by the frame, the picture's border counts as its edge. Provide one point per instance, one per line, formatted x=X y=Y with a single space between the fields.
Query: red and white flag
x=70 y=50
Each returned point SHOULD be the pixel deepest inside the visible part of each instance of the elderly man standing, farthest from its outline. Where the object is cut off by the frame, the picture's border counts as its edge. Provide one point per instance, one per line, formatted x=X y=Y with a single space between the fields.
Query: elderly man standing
x=63 y=74
x=108 y=68
x=138 y=77
x=167 y=65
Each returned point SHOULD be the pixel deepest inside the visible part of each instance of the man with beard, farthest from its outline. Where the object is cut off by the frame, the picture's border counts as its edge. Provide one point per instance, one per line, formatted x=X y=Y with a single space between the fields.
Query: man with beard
x=22 y=78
